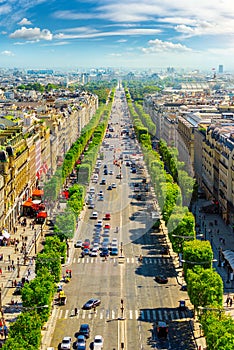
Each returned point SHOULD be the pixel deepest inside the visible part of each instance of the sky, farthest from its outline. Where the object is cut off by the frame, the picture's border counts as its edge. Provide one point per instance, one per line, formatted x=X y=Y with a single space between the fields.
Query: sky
x=131 y=34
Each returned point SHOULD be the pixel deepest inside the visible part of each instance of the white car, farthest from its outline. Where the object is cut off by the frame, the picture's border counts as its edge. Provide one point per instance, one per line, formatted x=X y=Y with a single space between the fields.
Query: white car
x=66 y=343
x=92 y=190
x=113 y=185
x=98 y=342
x=94 y=215
x=94 y=252
x=78 y=244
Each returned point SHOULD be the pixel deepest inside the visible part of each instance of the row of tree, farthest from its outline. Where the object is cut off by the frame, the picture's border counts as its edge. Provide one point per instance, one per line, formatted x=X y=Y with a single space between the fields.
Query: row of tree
x=37 y=296
x=205 y=286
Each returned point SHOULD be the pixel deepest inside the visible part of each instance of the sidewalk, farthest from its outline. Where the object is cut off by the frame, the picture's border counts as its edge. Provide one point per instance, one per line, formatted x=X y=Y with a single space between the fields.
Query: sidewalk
x=16 y=268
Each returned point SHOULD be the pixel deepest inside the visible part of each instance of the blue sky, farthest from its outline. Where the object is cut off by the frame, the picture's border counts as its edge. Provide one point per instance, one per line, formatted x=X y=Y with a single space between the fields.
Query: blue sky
x=74 y=34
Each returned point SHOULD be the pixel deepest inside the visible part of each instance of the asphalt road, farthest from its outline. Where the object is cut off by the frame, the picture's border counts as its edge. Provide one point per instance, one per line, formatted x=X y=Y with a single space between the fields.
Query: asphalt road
x=144 y=301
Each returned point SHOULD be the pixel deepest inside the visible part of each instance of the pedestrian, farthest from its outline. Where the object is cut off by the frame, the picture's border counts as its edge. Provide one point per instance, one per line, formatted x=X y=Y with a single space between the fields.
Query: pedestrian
x=223 y=241
x=0 y=271
x=230 y=302
x=76 y=311
x=227 y=301
x=94 y=309
x=9 y=258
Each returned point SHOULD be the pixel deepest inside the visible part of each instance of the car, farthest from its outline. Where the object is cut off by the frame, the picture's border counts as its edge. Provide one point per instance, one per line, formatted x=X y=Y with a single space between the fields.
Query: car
x=100 y=193
x=107 y=216
x=94 y=215
x=134 y=170
x=95 y=246
x=109 y=188
x=66 y=343
x=91 y=303
x=105 y=166
x=92 y=190
x=105 y=172
x=110 y=172
x=164 y=251
x=106 y=233
x=114 y=185
x=96 y=240
x=85 y=251
x=81 y=342
x=98 y=342
x=107 y=226
x=104 y=252
x=99 y=223
x=184 y=288
x=78 y=244
x=100 y=198
x=161 y=330
x=161 y=279
x=84 y=330
x=118 y=176
x=93 y=252
x=106 y=240
x=103 y=182
x=114 y=251
x=91 y=206
x=114 y=240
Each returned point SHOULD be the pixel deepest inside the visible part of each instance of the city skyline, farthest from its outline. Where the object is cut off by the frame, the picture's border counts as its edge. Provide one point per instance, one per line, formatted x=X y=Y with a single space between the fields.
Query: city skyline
x=80 y=34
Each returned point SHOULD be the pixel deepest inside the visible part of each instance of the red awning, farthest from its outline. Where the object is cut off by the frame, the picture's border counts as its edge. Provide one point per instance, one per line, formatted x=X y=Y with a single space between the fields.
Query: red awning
x=38 y=193
x=42 y=214
x=28 y=203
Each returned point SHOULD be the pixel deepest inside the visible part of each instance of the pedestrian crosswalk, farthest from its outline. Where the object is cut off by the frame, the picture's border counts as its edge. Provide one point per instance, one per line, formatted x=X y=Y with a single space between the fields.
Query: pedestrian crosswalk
x=148 y=315
x=113 y=260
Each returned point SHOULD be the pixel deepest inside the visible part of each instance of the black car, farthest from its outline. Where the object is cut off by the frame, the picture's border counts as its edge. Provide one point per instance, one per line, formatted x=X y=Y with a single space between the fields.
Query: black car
x=104 y=252
x=103 y=182
x=84 y=330
x=91 y=303
x=161 y=279
x=105 y=172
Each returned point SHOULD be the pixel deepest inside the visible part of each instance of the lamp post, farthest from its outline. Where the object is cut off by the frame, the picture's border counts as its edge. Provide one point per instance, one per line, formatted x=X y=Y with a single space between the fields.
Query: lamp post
x=35 y=241
x=18 y=268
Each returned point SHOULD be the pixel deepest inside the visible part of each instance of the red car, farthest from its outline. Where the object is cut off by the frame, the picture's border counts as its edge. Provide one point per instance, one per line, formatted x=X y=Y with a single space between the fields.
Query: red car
x=107 y=226
x=107 y=216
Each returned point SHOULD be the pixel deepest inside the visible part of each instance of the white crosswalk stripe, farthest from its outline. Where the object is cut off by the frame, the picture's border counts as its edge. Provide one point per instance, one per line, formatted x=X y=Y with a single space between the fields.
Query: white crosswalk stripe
x=112 y=260
x=143 y=315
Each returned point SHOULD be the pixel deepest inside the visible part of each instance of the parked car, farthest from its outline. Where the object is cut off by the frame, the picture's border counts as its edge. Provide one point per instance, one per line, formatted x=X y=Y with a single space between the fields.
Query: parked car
x=104 y=252
x=161 y=330
x=91 y=303
x=84 y=330
x=79 y=244
x=66 y=343
x=161 y=279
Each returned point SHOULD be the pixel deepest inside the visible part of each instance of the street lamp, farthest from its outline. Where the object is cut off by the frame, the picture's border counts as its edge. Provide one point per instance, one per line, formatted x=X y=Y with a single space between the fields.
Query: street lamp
x=198 y=262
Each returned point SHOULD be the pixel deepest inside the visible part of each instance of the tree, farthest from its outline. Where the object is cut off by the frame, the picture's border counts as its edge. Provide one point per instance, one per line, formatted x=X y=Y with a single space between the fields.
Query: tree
x=205 y=287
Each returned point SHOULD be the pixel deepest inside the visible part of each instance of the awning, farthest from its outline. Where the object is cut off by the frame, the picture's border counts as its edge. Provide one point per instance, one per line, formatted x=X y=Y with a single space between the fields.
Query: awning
x=38 y=193
x=28 y=203
x=229 y=256
x=42 y=214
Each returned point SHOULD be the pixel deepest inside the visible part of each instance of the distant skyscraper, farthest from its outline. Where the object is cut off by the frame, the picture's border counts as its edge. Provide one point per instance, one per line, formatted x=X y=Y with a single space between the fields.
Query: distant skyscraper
x=220 y=69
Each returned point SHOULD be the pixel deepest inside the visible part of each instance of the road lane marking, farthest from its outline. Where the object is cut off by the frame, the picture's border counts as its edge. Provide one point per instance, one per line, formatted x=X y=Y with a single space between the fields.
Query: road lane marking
x=148 y=314
x=78 y=261
x=112 y=314
x=101 y=315
x=160 y=315
x=137 y=314
x=154 y=315
x=142 y=316
x=74 y=260
x=66 y=314
x=83 y=314
x=128 y=260
x=130 y=314
x=60 y=314
x=91 y=260
x=165 y=315
x=133 y=260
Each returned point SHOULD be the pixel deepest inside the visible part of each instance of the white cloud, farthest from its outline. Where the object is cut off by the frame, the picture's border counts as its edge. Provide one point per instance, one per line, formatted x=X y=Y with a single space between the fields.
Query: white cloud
x=121 y=41
x=125 y=32
x=70 y=15
x=156 y=46
x=7 y=53
x=32 y=34
x=24 y=22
